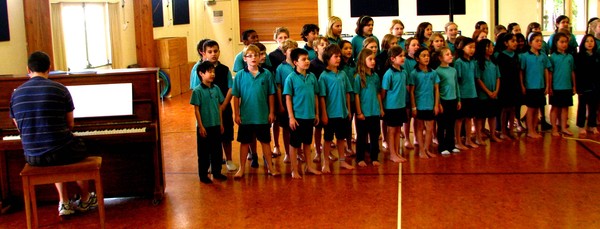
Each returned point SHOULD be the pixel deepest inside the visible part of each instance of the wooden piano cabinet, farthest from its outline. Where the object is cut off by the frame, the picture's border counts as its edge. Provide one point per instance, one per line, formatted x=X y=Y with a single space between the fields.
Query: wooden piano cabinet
x=132 y=162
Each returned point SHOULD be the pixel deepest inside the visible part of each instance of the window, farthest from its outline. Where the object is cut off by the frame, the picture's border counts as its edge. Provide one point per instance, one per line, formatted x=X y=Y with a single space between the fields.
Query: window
x=577 y=12
x=87 y=36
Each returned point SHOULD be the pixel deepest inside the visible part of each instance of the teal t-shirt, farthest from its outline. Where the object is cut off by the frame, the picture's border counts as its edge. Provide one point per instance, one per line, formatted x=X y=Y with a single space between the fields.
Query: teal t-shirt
x=282 y=72
x=368 y=95
x=208 y=99
x=395 y=83
x=401 y=42
x=489 y=76
x=465 y=70
x=311 y=52
x=253 y=92
x=451 y=46
x=334 y=87
x=194 y=77
x=409 y=64
x=562 y=69
x=303 y=89
x=334 y=41
x=533 y=67
x=357 y=44
x=350 y=69
x=448 y=85
x=424 y=83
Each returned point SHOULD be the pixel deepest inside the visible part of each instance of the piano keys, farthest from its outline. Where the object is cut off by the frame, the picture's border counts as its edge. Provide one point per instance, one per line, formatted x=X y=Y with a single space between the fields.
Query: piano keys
x=130 y=145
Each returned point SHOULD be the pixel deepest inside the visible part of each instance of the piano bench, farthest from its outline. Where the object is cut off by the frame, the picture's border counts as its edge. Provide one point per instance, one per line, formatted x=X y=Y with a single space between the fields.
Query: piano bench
x=88 y=169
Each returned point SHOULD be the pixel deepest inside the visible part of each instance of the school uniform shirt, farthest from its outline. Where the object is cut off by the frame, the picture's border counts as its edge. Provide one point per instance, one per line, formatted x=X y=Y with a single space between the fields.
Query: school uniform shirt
x=489 y=76
x=401 y=42
x=409 y=64
x=276 y=57
x=311 y=52
x=239 y=63
x=282 y=72
x=562 y=70
x=357 y=44
x=424 y=83
x=208 y=98
x=448 y=85
x=533 y=67
x=316 y=67
x=368 y=95
x=335 y=41
x=465 y=70
x=394 y=82
x=223 y=77
x=350 y=69
x=303 y=89
x=451 y=46
x=253 y=92
x=334 y=87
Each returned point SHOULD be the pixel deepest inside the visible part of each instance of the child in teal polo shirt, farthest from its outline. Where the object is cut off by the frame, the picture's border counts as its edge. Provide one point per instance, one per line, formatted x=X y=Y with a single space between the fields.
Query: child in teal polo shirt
x=301 y=90
x=283 y=70
x=308 y=34
x=563 y=84
x=334 y=92
x=206 y=99
x=394 y=89
x=253 y=102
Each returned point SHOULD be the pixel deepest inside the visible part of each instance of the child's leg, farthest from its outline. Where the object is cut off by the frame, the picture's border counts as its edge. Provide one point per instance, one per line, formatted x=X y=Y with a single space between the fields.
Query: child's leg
x=361 y=141
x=392 y=145
x=492 y=123
x=309 y=166
x=503 y=122
x=326 y=153
x=468 y=134
x=457 y=128
x=342 y=160
x=243 y=154
x=564 y=117
x=532 y=122
x=203 y=156
x=293 y=154
x=553 y=115
x=276 y=131
x=317 y=138
x=582 y=108
x=428 y=137
x=286 y=140
x=419 y=125
x=592 y=106
x=266 y=148
x=384 y=134
x=479 y=124
x=407 y=142
x=374 y=133
x=216 y=154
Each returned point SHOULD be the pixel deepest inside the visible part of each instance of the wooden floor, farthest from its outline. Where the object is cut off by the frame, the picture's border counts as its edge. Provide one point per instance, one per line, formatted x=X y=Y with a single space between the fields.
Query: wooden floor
x=551 y=182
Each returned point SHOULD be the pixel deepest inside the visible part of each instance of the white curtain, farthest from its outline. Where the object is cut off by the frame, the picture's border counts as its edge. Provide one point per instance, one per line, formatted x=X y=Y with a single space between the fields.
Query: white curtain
x=58 y=40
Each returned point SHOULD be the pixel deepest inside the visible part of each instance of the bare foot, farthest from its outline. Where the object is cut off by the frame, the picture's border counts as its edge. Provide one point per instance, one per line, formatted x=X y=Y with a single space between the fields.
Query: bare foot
x=325 y=169
x=345 y=165
x=362 y=164
x=460 y=146
x=402 y=159
x=239 y=174
x=480 y=142
x=317 y=158
x=312 y=170
x=471 y=144
x=555 y=134
x=567 y=132
x=274 y=172
x=582 y=131
x=430 y=154
x=534 y=135
x=594 y=130
x=286 y=159
x=395 y=158
x=423 y=155
x=376 y=163
x=296 y=175
x=408 y=145
x=495 y=139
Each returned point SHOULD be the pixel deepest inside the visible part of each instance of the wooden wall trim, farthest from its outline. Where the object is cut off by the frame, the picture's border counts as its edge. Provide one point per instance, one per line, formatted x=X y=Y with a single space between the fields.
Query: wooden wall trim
x=144 y=34
x=38 y=31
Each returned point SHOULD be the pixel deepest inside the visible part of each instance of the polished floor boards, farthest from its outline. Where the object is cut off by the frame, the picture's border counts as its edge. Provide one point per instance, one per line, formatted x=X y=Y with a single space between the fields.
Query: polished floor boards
x=550 y=182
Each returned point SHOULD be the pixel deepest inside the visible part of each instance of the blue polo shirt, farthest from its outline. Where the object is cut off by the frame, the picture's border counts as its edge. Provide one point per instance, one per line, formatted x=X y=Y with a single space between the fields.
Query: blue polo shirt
x=282 y=72
x=311 y=52
x=223 y=77
x=253 y=92
x=562 y=69
x=395 y=83
x=533 y=67
x=451 y=46
x=357 y=44
x=448 y=85
x=40 y=107
x=368 y=95
x=489 y=76
x=465 y=70
x=208 y=99
x=239 y=63
x=424 y=83
x=401 y=42
x=350 y=69
x=303 y=89
x=334 y=41
x=334 y=87
x=409 y=64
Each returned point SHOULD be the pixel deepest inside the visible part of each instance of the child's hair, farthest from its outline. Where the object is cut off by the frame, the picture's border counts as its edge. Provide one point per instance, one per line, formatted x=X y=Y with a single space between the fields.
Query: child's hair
x=479 y=24
x=279 y=30
x=296 y=53
x=361 y=66
x=533 y=35
x=439 y=53
x=420 y=34
x=500 y=42
x=251 y=48
x=476 y=34
x=591 y=25
x=419 y=51
x=520 y=38
x=392 y=53
x=511 y=26
x=480 y=52
x=329 y=51
x=386 y=42
x=38 y=61
x=288 y=44
x=555 y=40
x=318 y=40
x=261 y=47
x=361 y=23
x=499 y=29
x=332 y=20
x=395 y=22
x=306 y=29
x=407 y=43
x=460 y=53
x=204 y=67
x=558 y=20
x=531 y=26
x=449 y=24
x=433 y=36
x=368 y=41
x=209 y=43
x=246 y=34
x=582 y=44
x=200 y=46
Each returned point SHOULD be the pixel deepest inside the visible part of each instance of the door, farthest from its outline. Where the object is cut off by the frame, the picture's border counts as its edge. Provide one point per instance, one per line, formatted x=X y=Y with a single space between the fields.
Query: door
x=219 y=27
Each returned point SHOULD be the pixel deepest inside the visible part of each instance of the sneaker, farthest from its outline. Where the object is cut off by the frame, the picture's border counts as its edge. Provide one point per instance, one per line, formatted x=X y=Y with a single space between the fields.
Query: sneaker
x=65 y=209
x=445 y=152
x=91 y=203
x=220 y=177
x=231 y=166
x=455 y=150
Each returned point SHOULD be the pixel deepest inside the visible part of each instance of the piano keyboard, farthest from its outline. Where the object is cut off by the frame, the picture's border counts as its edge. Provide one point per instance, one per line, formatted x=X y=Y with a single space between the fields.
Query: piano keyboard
x=91 y=132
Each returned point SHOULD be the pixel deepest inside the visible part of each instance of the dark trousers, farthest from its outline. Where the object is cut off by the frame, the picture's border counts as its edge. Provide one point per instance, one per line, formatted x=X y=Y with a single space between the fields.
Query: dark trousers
x=588 y=104
x=367 y=129
x=209 y=151
x=445 y=121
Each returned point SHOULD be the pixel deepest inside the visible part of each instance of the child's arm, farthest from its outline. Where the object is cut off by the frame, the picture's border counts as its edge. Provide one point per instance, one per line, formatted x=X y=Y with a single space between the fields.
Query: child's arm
x=271 y=108
x=226 y=101
x=436 y=98
x=316 y=110
x=522 y=83
x=548 y=77
x=411 y=90
x=359 y=113
x=280 y=98
x=348 y=106
x=382 y=113
x=199 y=121
x=236 y=110
x=293 y=123
x=495 y=94
x=322 y=105
x=221 y=121
x=483 y=87
x=574 y=83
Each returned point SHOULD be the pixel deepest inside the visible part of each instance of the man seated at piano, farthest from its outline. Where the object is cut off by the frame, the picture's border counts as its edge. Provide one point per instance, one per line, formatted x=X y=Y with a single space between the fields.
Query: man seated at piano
x=42 y=110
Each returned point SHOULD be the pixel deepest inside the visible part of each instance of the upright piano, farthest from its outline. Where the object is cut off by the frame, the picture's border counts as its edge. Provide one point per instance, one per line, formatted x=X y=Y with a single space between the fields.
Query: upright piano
x=130 y=145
